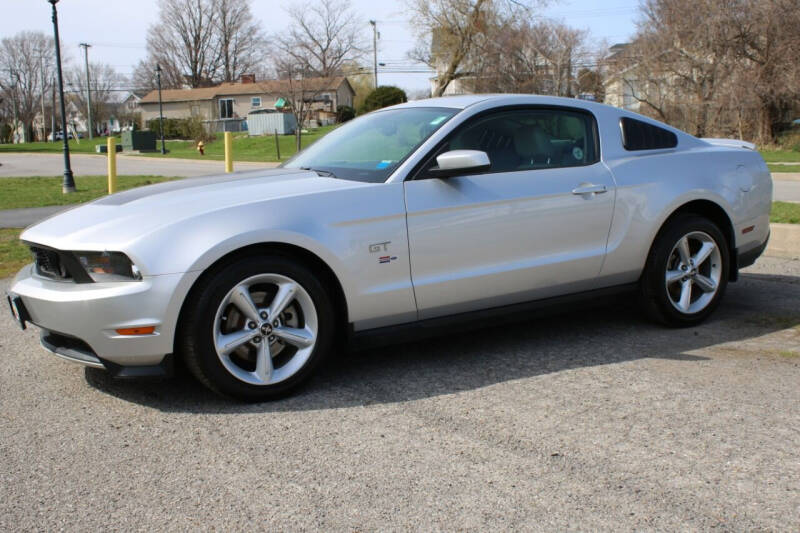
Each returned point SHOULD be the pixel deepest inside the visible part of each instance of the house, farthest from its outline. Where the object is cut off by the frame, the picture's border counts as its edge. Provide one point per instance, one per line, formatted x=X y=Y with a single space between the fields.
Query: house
x=620 y=80
x=233 y=101
x=123 y=113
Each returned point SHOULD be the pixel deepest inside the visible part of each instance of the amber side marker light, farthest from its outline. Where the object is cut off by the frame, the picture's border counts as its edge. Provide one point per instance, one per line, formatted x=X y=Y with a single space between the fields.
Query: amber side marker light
x=147 y=330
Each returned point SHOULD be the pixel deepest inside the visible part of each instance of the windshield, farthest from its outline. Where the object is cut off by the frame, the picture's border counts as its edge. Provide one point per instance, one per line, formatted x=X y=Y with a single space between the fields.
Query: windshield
x=369 y=148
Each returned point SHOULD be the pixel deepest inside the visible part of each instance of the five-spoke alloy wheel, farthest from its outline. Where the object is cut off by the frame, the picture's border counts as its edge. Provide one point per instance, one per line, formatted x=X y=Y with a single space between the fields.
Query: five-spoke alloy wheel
x=258 y=327
x=686 y=272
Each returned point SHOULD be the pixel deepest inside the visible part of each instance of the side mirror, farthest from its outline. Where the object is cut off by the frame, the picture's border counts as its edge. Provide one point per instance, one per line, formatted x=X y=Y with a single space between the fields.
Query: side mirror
x=459 y=162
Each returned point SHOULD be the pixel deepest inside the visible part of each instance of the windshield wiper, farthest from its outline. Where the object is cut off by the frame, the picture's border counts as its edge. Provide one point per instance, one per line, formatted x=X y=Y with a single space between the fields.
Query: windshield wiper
x=323 y=173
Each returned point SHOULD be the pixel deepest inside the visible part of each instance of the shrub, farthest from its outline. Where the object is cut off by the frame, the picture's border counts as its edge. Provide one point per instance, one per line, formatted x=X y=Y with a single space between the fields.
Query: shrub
x=790 y=140
x=6 y=132
x=172 y=127
x=182 y=128
x=383 y=96
x=344 y=113
x=193 y=128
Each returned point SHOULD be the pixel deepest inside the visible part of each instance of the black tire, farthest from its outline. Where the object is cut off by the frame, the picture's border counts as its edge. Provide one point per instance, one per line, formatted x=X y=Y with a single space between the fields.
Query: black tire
x=655 y=297
x=196 y=337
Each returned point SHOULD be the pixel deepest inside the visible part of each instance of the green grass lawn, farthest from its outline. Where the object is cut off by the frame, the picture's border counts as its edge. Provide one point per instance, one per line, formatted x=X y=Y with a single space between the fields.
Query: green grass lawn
x=780 y=156
x=785 y=213
x=13 y=254
x=245 y=148
x=784 y=168
x=44 y=191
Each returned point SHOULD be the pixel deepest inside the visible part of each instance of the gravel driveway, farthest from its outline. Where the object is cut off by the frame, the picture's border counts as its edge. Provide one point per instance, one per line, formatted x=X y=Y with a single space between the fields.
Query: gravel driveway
x=590 y=420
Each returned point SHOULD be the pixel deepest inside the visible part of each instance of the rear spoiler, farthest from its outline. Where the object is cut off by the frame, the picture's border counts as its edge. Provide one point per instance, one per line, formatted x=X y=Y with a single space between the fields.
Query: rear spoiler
x=730 y=143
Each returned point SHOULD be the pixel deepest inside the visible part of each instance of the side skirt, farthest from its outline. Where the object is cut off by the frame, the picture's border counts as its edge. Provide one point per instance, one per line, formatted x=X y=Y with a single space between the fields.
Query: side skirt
x=432 y=327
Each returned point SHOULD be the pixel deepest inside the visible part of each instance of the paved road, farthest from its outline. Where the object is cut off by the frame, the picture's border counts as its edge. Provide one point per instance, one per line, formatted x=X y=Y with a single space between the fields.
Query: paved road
x=86 y=165
x=786 y=187
x=594 y=420
x=22 y=218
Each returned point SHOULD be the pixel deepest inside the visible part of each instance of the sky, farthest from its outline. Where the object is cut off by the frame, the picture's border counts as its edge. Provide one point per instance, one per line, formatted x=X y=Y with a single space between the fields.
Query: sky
x=116 y=29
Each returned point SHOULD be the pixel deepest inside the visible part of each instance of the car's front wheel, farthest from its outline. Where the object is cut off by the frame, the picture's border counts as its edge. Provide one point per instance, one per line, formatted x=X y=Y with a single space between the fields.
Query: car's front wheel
x=257 y=328
x=686 y=272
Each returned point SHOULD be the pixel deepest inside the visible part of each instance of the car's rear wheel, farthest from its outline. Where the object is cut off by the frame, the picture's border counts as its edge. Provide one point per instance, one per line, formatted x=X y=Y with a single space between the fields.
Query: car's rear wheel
x=686 y=272
x=257 y=328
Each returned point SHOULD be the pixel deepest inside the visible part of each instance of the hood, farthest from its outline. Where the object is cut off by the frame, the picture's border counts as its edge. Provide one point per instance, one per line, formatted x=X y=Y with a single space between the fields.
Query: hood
x=119 y=219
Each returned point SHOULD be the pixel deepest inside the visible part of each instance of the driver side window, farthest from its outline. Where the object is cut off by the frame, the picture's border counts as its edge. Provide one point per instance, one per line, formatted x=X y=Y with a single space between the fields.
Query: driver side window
x=526 y=139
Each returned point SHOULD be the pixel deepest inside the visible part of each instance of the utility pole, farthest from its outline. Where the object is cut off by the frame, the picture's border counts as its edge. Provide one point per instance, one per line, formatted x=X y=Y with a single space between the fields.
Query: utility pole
x=44 y=124
x=90 y=124
x=160 y=109
x=68 y=185
x=13 y=74
x=374 y=52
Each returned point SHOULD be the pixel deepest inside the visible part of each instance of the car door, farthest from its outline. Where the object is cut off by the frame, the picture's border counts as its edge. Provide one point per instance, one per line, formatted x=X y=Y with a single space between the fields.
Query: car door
x=534 y=225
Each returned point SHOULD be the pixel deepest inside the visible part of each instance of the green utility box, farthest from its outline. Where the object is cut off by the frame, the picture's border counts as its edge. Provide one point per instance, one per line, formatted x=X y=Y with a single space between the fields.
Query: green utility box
x=141 y=141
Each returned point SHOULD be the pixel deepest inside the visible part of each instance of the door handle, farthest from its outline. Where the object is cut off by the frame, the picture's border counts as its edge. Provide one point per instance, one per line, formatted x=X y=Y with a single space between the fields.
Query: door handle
x=589 y=188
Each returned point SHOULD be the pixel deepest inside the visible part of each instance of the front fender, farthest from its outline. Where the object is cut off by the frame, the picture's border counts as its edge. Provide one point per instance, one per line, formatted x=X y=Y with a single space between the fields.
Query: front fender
x=339 y=227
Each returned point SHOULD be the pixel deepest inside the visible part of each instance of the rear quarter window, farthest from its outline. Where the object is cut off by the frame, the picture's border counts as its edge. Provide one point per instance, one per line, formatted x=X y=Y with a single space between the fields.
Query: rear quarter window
x=638 y=135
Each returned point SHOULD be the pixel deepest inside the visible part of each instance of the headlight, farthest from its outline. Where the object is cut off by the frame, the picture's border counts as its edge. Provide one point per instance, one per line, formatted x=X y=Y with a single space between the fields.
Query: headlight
x=108 y=266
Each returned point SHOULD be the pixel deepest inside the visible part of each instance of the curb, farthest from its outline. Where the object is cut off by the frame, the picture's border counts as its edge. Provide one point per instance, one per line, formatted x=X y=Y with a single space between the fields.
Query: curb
x=784 y=241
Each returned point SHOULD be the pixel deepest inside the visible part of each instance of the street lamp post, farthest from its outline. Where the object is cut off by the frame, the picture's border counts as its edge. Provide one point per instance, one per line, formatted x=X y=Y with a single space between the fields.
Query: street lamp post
x=160 y=110
x=374 y=52
x=68 y=185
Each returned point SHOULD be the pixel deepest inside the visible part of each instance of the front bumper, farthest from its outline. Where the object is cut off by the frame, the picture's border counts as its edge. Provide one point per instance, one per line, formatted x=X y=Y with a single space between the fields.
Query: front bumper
x=79 y=320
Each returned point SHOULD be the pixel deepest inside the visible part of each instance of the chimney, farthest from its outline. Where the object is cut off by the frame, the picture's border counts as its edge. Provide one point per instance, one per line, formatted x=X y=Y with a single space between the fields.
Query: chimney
x=248 y=78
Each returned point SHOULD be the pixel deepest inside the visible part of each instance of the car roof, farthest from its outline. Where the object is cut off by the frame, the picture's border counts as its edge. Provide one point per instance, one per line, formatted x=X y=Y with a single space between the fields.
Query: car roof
x=467 y=100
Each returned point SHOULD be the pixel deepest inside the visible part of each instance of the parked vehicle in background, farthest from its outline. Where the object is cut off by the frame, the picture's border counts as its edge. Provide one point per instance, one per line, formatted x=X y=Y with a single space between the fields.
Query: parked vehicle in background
x=413 y=215
x=59 y=135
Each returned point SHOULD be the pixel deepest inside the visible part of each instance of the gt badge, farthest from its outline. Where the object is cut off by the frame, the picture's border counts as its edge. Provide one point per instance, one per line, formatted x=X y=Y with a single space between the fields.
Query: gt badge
x=379 y=247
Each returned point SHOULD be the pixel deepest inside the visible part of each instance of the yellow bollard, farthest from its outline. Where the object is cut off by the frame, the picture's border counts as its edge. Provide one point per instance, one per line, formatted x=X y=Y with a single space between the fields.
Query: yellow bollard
x=112 y=164
x=228 y=152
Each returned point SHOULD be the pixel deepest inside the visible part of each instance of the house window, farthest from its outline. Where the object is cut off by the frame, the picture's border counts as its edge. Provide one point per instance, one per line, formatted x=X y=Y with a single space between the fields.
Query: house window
x=226 y=108
x=255 y=101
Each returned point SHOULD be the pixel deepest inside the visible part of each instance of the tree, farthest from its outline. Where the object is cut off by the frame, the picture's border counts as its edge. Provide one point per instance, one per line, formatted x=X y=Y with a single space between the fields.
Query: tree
x=240 y=39
x=299 y=93
x=184 y=42
x=590 y=81
x=144 y=76
x=320 y=42
x=104 y=79
x=695 y=58
x=323 y=37
x=767 y=44
x=713 y=67
x=26 y=71
x=521 y=57
x=452 y=34
x=201 y=42
x=383 y=96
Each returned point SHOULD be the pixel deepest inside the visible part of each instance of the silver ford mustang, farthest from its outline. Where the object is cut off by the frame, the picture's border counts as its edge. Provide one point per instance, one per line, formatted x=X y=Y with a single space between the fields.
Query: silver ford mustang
x=450 y=208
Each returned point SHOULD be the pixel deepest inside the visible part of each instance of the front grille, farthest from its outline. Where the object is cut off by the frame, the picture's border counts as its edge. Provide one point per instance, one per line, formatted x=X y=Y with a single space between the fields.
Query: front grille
x=49 y=264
